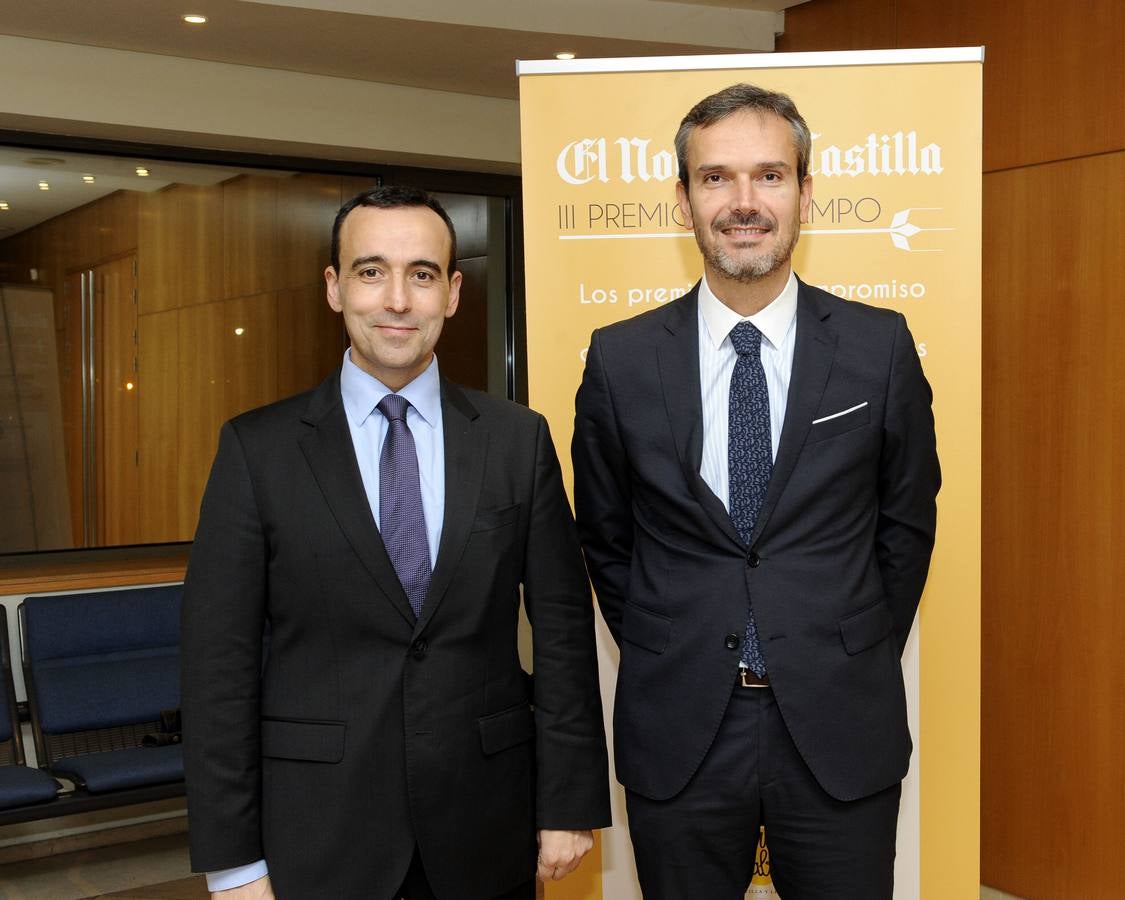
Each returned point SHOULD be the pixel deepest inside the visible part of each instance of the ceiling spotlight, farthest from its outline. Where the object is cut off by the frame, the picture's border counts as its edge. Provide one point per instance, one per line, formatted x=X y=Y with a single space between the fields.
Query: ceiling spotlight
x=3 y=204
x=195 y=19
x=89 y=179
x=43 y=186
x=142 y=171
x=565 y=54
x=240 y=331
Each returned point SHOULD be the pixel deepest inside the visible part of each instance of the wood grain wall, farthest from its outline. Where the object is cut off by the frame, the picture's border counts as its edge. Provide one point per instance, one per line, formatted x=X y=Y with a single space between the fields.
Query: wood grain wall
x=230 y=314
x=1053 y=675
x=209 y=260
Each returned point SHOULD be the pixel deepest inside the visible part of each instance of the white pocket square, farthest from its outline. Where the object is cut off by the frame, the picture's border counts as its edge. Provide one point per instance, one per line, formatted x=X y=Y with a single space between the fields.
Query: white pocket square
x=842 y=412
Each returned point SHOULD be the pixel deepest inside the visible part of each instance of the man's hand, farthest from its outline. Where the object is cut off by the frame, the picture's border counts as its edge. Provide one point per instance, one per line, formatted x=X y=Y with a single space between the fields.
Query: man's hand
x=560 y=852
x=259 y=889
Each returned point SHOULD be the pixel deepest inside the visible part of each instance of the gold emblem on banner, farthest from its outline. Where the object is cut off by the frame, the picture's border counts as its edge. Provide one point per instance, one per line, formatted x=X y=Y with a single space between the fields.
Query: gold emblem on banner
x=761 y=886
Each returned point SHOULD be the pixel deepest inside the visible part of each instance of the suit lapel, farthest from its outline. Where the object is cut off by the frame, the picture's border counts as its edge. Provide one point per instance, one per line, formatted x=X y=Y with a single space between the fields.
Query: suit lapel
x=328 y=449
x=678 y=360
x=813 y=353
x=465 y=443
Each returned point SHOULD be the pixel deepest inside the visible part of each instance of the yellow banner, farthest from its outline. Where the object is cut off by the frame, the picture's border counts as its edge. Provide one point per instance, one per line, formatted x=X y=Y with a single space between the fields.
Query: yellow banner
x=895 y=222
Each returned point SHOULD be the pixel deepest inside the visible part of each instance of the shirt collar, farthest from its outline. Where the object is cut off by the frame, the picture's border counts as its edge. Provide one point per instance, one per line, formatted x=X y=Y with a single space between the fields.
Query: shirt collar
x=362 y=392
x=773 y=321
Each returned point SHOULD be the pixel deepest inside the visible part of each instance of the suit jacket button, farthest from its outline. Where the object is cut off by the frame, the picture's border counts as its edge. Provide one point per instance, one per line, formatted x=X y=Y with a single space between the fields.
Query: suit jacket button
x=753 y=560
x=419 y=648
x=732 y=641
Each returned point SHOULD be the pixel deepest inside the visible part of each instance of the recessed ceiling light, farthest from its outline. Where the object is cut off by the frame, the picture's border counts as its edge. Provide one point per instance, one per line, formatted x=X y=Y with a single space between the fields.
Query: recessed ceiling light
x=565 y=54
x=89 y=179
x=195 y=19
x=142 y=171
x=43 y=186
x=3 y=204
x=240 y=331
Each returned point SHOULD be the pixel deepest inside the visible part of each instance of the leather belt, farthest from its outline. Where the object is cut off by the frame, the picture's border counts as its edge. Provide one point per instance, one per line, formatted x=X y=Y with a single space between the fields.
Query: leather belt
x=748 y=679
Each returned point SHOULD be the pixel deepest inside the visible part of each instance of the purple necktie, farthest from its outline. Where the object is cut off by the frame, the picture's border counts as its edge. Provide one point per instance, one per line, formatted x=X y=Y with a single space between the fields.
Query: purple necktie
x=750 y=456
x=401 y=520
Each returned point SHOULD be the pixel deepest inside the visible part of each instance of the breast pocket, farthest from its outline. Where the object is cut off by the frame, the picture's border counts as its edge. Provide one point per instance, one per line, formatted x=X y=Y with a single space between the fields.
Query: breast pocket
x=845 y=420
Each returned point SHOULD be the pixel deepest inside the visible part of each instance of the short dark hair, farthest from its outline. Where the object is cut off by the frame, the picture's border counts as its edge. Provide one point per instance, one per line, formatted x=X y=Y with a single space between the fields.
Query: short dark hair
x=736 y=98
x=393 y=197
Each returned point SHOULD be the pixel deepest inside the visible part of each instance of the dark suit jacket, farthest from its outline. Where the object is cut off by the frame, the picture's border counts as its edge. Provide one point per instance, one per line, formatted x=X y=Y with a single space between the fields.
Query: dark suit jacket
x=367 y=731
x=835 y=567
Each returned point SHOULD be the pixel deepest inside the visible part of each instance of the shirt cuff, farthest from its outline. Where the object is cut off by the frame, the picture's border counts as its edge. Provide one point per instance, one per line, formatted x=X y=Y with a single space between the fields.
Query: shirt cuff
x=225 y=879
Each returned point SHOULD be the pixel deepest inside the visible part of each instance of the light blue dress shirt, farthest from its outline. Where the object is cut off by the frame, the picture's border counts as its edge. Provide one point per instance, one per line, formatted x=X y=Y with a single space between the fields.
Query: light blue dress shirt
x=777 y=322
x=361 y=394
x=369 y=427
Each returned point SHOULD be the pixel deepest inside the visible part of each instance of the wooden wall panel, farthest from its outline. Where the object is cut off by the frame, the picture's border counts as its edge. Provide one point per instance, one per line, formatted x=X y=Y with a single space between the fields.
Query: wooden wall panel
x=307 y=205
x=179 y=247
x=249 y=352
x=158 y=386
x=310 y=338
x=49 y=242
x=469 y=214
x=80 y=227
x=463 y=347
x=1053 y=76
x=17 y=524
x=119 y=495
x=1053 y=676
x=250 y=252
x=68 y=341
x=839 y=25
x=350 y=185
x=201 y=407
x=116 y=221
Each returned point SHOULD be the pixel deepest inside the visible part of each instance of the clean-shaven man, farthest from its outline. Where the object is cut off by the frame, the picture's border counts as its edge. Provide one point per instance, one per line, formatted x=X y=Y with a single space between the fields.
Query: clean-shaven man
x=383 y=741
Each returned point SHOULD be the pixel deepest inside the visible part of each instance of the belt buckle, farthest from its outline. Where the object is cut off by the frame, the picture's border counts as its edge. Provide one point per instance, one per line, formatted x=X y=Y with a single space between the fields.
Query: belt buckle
x=748 y=679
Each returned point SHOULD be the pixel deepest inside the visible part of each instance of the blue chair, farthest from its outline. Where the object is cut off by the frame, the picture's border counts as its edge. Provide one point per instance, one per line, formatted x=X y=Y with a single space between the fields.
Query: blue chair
x=19 y=785
x=100 y=668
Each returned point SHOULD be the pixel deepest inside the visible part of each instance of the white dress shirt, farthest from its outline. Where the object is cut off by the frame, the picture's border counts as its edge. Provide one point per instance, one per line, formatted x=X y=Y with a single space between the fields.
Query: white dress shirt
x=778 y=324
x=361 y=394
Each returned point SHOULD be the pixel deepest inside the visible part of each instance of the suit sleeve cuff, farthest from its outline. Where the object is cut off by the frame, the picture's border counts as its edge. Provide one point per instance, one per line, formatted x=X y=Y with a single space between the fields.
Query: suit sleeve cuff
x=225 y=879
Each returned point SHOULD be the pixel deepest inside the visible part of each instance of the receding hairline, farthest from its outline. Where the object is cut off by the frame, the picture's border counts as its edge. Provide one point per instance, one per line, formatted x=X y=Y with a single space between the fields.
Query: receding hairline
x=444 y=271
x=739 y=98
x=763 y=115
x=392 y=197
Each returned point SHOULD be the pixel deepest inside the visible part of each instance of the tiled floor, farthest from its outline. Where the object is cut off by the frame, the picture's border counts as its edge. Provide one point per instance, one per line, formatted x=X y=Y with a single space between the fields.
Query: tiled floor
x=154 y=869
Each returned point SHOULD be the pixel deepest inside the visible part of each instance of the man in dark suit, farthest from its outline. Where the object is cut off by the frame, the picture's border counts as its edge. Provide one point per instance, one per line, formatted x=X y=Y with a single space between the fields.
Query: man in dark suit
x=383 y=741
x=755 y=483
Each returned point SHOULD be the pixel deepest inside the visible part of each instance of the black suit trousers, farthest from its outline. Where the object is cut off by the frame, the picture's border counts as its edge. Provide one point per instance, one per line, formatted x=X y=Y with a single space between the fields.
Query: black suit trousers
x=703 y=841
x=416 y=886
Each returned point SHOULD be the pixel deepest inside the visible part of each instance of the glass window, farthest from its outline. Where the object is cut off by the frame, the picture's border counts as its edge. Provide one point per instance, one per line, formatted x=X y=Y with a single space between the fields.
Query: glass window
x=145 y=301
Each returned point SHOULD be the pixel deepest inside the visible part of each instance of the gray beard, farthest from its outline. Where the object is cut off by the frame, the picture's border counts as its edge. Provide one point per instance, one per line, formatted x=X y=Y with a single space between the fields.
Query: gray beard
x=753 y=270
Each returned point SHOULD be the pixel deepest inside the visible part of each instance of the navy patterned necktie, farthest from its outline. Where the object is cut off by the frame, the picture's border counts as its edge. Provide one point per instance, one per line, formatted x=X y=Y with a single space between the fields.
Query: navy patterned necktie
x=401 y=520
x=749 y=455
